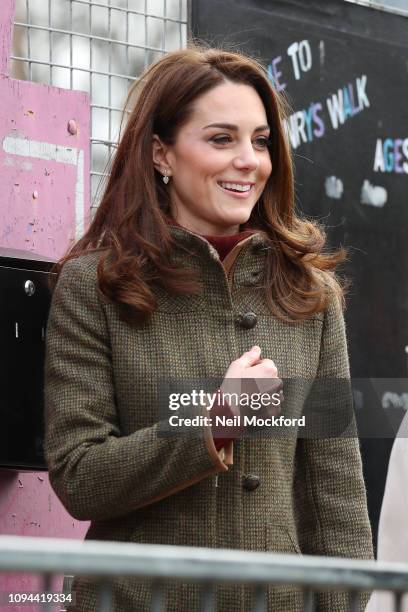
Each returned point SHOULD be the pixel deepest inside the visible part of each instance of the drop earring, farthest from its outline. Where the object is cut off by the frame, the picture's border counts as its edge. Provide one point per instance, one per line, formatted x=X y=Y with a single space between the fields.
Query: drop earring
x=165 y=178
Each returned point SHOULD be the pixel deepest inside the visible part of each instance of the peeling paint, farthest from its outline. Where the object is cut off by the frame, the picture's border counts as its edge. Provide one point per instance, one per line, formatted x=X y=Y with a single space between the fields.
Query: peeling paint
x=31 y=113
x=18 y=133
x=72 y=127
x=52 y=152
x=7 y=230
x=10 y=161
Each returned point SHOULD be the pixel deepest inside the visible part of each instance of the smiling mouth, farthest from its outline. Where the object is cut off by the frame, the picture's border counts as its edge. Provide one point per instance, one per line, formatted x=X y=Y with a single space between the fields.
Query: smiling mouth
x=235 y=187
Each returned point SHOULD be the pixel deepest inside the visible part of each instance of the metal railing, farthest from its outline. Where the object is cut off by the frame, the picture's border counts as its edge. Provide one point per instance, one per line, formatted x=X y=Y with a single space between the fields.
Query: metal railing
x=398 y=7
x=206 y=567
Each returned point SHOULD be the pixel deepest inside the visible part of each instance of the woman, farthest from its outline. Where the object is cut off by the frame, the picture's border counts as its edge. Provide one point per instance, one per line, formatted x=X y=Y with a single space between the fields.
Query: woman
x=392 y=530
x=195 y=255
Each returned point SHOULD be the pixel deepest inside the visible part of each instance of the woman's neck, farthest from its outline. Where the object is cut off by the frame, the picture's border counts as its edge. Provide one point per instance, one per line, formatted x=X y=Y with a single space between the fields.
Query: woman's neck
x=244 y=228
x=222 y=244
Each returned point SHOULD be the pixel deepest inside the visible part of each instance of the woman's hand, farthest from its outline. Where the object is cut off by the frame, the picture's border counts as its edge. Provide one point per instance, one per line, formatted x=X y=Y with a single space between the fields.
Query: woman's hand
x=249 y=374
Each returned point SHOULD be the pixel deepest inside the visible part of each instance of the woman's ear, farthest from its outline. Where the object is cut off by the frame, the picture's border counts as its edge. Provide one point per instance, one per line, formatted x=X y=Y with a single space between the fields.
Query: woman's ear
x=159 y=156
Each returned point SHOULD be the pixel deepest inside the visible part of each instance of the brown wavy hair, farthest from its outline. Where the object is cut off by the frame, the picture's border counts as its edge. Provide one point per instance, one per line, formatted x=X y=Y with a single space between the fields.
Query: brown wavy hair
x=130 y=226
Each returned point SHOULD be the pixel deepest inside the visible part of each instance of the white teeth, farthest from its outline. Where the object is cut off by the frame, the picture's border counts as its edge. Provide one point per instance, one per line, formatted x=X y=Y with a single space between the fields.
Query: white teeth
x=235 y=186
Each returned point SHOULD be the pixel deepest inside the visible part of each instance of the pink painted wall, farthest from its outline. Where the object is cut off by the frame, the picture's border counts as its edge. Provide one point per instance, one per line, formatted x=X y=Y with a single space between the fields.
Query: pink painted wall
x=44 y=206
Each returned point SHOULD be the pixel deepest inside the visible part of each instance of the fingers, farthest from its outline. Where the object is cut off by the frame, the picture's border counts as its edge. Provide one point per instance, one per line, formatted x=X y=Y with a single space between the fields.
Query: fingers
x=265 y=368
x=275 y=409
x=250 y=358
x=277 y=386
x=255 y=376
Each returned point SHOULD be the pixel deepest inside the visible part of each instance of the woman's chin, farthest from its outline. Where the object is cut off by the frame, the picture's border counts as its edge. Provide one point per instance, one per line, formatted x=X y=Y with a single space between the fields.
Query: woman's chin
x=238 y=220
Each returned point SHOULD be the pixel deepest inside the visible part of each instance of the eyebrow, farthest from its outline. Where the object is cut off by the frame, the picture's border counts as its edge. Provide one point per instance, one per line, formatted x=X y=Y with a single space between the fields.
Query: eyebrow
x=235 y=128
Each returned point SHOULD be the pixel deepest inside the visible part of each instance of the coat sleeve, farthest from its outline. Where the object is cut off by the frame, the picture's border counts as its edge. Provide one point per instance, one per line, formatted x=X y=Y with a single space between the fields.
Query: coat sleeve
x=96 y=472
x=329 y=488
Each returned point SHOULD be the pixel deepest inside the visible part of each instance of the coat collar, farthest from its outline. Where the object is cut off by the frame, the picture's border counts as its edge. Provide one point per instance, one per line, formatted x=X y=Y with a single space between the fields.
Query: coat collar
x=201 y=246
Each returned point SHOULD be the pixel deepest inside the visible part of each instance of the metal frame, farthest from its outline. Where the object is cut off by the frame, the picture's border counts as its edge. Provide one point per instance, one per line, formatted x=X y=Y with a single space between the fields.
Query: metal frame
x=380 y=7
x=207 y=567
x=153 y=24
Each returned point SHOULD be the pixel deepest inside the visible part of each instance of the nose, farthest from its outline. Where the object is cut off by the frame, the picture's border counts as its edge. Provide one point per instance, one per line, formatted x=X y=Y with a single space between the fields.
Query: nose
x=246 y=158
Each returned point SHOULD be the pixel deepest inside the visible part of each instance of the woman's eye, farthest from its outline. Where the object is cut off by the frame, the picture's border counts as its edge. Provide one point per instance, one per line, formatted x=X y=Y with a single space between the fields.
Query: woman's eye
x=262 y=142
x=222 y=139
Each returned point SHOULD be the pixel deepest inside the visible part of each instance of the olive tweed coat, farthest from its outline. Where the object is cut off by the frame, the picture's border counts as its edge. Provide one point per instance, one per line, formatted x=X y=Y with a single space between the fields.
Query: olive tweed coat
x=109 y=464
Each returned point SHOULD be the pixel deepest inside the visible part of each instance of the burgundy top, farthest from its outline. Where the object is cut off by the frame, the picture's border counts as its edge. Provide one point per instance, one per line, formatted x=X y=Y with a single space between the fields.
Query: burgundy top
x=223 y=245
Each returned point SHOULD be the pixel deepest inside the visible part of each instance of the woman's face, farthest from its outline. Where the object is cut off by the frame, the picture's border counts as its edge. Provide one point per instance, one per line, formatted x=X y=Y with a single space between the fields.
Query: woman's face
x=219 y=163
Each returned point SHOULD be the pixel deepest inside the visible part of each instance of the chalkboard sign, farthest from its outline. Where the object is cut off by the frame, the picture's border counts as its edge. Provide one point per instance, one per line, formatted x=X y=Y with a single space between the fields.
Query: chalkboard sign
x=343 y=69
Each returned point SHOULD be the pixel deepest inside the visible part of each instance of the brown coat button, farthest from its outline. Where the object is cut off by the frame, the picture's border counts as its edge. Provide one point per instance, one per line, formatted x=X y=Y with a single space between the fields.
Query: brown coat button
x=250 y=482
x=248 y=320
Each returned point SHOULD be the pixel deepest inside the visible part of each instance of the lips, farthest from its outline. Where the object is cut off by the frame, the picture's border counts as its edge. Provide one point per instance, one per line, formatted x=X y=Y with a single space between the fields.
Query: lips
x=236 y=188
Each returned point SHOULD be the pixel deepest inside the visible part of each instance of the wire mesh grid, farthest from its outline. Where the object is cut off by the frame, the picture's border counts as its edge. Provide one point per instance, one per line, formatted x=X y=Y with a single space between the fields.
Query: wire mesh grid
x=98 y=46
